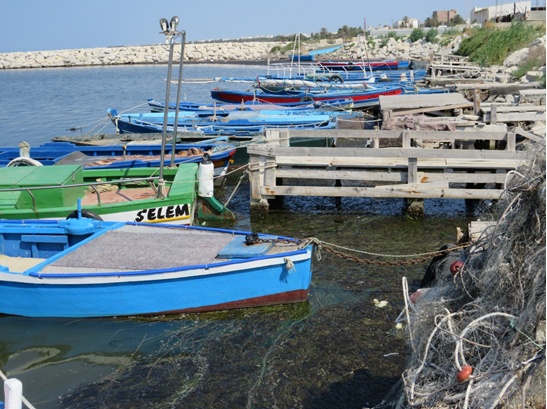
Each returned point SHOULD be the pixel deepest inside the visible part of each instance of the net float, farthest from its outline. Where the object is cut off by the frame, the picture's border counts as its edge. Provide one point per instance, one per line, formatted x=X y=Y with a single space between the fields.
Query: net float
x=464 y=373
x=456 y=267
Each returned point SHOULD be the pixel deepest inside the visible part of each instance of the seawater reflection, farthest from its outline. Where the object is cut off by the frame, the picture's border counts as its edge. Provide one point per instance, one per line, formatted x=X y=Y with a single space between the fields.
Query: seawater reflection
x=327 y=353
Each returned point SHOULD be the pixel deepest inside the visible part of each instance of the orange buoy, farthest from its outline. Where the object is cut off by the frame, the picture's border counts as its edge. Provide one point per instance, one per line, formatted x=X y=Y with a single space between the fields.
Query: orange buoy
x=415 y=296
x=456 y=267
x=464 y=373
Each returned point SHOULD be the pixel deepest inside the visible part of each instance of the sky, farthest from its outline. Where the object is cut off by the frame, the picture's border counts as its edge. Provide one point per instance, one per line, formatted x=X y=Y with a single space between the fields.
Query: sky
x=38 y=25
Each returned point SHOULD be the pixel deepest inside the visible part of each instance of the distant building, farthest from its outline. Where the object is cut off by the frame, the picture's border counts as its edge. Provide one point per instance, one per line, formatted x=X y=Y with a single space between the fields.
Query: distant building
x=480 y=15
x=444 y=16
x=412 y=23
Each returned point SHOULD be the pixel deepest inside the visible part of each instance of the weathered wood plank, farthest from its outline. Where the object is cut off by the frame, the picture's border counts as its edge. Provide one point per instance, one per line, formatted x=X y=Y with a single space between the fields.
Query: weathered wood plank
x=501 y=109
x=372 y=134
x=383 y=176
x=420 y=192
x=516 y=117
x=400 y=112
x=255 y=177
x=531 y=136
x=366 y=153
x=397 y=102
x=498 y=87
x=400 y=163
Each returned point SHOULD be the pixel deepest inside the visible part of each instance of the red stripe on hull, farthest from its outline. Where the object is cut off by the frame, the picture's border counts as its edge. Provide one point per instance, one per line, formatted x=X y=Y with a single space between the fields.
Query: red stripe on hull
x=289 y=297
x=288 y=99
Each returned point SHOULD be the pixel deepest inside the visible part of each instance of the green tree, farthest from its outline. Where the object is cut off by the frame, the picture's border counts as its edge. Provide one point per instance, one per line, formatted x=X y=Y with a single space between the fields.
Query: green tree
x=457 y=20
x=432 y=21
x=431 y=35
x=324 y=33
x=417 y=34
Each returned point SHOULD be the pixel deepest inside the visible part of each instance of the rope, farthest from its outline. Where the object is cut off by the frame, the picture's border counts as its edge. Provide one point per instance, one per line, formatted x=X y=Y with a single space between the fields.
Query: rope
x=289 y=264
x=100 y=121
x=235 y=189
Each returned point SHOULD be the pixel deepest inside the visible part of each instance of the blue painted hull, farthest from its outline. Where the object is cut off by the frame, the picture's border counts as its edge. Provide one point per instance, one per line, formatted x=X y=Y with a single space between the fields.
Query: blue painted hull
x=237 y=124
x=254 y=281
x=53 y=152
x=217 y=108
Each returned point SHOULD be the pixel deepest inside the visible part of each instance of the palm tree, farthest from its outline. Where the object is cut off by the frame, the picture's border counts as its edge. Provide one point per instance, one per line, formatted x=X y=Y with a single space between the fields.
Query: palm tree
x=406 y=22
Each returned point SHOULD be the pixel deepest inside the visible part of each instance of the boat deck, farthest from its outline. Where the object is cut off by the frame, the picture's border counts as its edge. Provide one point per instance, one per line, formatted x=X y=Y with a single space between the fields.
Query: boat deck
x=140 y=248
x=119 y=196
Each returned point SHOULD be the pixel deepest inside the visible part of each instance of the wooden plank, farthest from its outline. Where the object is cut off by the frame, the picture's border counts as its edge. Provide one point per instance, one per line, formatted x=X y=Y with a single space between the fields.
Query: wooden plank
x=255 y=177
x=431 y=109
x=343 y=191
x=371 y=134
x=496 y=87
x=383 y=176
x=456 y=68
x=494 y=114
x=476 y=228
x=516 y=117
x=365 y=153
x=514 y=108
x=395 y=102
x=399 y=163
x=412 y=170
x=476 y=101
x=519 y=131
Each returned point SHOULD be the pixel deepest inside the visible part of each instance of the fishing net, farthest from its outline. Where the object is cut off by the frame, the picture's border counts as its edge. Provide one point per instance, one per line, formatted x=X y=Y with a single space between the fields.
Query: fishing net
x=477 y=337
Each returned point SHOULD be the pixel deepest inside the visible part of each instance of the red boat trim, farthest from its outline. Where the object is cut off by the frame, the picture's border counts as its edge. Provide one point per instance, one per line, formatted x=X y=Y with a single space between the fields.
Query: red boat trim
x=288 y=297
x=227 y=96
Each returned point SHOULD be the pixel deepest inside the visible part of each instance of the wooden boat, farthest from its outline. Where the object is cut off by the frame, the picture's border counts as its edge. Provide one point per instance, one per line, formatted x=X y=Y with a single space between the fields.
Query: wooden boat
x=234 y=123
x=131 y=194
x=241 y=142
x=119 y=156
x=87 y=268
x=354 y=76
x=213 y=108
x=361 y=98
x=360 y=65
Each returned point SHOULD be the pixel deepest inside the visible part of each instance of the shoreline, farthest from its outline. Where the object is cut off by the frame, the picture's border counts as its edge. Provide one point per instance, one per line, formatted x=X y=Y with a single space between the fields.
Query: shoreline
x=248 y=53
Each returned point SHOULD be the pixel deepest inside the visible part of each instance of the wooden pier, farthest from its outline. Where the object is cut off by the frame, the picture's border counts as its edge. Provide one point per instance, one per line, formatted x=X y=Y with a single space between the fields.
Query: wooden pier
x=410 y=171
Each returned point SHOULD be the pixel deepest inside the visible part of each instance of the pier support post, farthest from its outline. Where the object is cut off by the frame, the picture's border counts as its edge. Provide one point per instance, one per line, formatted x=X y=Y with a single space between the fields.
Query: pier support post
x=414 y=208
x=259 y=208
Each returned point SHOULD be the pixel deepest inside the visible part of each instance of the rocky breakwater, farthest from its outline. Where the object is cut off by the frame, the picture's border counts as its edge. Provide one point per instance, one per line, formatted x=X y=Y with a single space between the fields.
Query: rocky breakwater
x=146 y=54
x=401 y=49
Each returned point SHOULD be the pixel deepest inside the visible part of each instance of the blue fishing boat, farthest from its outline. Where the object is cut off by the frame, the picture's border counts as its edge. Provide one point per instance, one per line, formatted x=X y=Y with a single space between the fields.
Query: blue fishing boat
x=121 y=156
x=89 y=268
x=362 y=65
x=361 y=98
x=233 y=123
x=212 y=108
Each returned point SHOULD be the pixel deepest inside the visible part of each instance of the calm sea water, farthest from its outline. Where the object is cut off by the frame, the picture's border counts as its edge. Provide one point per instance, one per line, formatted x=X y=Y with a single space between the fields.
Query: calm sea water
x=327 y=353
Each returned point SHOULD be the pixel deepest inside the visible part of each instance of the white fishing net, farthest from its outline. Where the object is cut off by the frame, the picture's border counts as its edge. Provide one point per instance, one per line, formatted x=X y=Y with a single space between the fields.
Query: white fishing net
x=490 y=316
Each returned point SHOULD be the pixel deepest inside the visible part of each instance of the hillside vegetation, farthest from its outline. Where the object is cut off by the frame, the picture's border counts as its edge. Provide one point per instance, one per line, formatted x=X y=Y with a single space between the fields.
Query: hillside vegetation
x=490 y=46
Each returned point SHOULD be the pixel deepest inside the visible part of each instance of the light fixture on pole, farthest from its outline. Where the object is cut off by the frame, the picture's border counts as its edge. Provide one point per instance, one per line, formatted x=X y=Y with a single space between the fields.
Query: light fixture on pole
x=171 y=34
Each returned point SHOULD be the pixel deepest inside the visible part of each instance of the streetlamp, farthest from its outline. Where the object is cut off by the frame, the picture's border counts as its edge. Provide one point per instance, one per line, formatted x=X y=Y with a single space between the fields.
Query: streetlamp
x=171 y=35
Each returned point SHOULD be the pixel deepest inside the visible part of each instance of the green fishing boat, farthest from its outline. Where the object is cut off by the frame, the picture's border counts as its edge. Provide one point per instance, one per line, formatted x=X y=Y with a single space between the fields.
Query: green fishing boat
x=134 y=194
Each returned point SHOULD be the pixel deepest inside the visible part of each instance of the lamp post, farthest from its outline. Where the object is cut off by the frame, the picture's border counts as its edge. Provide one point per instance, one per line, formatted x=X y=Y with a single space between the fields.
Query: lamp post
x=171 y=35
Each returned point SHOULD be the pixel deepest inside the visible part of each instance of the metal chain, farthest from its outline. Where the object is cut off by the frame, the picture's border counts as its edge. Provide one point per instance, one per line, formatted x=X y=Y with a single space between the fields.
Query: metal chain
x=330 y=248
x=424 y=256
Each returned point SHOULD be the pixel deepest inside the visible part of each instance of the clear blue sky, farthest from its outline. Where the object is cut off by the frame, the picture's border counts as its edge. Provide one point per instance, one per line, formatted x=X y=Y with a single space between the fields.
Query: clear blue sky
x=35 y=25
